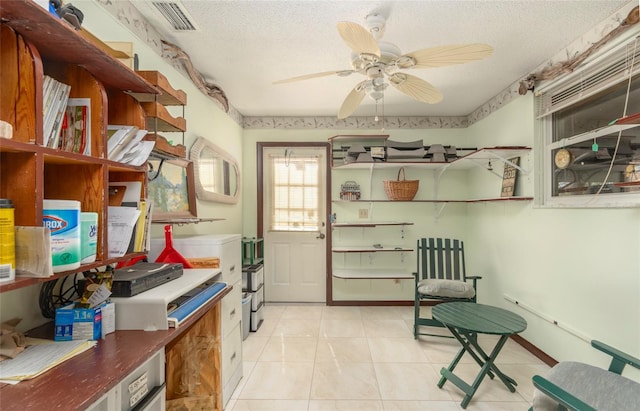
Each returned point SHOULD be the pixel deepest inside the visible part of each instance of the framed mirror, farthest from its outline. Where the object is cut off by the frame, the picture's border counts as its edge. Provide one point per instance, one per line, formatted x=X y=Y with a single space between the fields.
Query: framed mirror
x=217 y=173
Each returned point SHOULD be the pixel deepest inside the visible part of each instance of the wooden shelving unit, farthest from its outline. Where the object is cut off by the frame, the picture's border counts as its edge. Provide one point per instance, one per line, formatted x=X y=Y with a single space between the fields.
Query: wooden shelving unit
x=34 y=43
x=30 y=172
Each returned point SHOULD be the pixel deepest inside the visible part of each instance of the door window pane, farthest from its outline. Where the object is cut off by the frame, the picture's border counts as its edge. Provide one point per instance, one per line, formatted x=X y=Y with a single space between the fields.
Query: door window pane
x=295 y=193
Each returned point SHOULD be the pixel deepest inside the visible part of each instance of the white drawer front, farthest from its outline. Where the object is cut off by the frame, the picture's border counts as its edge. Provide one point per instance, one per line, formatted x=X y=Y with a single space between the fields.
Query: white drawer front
x=252 y=277
x=257 y=317
x=257 y=299
x=231 y=310
x=231 y=353
x=143 y=379
x=231 y=262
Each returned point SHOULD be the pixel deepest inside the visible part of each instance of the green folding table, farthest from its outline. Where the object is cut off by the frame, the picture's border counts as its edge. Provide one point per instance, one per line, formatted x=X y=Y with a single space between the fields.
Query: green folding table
x=466 y=320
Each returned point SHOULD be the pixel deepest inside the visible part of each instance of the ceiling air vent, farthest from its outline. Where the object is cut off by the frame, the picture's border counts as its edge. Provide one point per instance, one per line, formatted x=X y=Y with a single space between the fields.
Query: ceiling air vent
x=175 y=14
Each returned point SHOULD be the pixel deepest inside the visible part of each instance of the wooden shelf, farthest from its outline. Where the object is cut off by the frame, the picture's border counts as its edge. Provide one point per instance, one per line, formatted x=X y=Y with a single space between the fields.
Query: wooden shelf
x=164 y=148
x=159 y=119
x=168 y=95
x=57 y=40
x=21 y=282
x=35 y=43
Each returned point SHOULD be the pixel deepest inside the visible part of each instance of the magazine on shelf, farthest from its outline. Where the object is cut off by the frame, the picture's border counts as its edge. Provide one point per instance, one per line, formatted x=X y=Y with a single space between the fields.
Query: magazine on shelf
x=76 y=130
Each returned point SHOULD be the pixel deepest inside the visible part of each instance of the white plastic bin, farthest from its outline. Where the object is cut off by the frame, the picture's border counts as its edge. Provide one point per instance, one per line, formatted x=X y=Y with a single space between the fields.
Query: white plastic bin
x=246 y=314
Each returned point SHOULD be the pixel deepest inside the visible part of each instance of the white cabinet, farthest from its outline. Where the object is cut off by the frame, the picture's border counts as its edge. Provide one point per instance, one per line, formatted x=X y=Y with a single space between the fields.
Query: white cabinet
x=228 y=248
x=144 y=389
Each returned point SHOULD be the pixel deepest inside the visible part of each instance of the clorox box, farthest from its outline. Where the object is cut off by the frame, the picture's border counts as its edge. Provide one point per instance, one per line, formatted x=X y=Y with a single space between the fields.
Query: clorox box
x=62 y=217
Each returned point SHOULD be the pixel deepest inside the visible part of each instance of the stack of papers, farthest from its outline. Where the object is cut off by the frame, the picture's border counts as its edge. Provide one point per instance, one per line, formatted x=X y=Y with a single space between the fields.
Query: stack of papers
x=125 y=145
x=40 y=356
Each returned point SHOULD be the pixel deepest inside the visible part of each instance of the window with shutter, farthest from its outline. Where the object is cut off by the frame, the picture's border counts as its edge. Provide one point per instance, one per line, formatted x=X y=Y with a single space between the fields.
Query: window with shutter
x=591 y=130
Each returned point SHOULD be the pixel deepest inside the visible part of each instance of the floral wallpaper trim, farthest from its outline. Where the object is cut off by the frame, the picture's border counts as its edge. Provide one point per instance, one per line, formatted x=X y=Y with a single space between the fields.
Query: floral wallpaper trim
x=353 y=122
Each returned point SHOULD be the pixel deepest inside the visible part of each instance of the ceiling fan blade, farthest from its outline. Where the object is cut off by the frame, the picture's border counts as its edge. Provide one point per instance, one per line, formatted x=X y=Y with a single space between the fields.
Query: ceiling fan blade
x=444 y=56
x=358 y=38
x=353 y=100
x=341 y=73
x=415 y=87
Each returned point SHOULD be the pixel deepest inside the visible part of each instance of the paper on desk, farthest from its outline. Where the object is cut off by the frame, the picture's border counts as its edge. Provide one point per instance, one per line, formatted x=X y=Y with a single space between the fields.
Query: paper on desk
x=41 y=357
x=33 y=252
x=122 y=220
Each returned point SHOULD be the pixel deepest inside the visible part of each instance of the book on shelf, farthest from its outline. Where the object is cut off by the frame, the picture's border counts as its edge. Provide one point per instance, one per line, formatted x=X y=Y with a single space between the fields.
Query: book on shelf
x=60 y=107
x=75 y=135
x=142 y=225
x=55 y=103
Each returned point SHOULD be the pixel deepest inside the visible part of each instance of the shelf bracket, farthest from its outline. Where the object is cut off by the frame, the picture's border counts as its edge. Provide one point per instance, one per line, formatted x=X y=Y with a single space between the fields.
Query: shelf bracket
x=512 y=164
x=438 y=209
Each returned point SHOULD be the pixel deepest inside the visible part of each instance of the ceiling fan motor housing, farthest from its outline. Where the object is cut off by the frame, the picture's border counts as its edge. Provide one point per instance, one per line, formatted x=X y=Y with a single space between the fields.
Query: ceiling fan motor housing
x=375 y=23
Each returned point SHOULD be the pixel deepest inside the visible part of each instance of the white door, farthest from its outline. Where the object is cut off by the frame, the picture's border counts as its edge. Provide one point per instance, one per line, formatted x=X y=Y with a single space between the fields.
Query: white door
x=294 y=224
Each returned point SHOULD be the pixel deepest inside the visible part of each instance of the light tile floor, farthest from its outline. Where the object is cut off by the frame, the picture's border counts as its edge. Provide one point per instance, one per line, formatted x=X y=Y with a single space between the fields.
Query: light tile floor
x=319 y=358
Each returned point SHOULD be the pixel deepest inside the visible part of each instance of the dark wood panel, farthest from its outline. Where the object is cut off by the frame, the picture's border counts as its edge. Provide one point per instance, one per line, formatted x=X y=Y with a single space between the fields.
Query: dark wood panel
x=21 y=72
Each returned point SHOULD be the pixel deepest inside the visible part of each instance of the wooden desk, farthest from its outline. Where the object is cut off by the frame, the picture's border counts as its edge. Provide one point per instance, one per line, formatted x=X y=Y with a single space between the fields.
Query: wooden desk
x=465 y=321
x=79 y=382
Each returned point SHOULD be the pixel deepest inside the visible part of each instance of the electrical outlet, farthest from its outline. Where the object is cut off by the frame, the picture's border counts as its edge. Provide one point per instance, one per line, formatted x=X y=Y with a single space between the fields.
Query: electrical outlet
x=363 y=213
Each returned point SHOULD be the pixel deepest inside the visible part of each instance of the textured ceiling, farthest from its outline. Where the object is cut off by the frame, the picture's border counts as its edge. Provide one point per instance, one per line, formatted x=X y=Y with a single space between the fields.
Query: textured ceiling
x=243 y=46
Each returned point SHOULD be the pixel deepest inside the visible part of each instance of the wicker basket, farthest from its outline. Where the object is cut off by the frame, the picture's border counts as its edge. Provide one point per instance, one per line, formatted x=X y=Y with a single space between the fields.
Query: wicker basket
x=401 y=190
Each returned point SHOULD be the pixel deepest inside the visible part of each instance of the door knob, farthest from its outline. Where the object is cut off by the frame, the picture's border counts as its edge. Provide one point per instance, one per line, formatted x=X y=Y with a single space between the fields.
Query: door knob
x=320 y=236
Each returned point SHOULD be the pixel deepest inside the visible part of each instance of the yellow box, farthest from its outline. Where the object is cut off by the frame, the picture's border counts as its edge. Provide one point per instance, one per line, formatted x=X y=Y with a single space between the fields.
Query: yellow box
x=124 y=52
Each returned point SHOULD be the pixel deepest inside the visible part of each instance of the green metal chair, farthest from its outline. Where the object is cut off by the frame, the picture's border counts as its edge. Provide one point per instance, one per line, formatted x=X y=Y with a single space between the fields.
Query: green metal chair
x=440 y=276
x=577 y=386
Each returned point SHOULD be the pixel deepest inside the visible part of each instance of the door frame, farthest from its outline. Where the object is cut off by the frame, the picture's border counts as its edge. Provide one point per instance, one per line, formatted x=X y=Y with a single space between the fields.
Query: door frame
x=260 y=146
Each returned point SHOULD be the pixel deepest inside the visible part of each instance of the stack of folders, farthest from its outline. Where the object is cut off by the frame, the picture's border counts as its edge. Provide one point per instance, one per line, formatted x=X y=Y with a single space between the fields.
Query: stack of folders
x=410 y=151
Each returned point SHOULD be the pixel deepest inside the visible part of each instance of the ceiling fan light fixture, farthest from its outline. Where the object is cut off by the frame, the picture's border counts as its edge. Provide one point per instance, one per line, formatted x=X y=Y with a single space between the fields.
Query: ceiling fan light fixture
x=375 y=88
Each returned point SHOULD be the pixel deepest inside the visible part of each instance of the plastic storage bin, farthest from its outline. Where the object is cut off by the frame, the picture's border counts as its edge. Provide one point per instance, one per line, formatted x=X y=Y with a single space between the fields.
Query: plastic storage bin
x=246 y=314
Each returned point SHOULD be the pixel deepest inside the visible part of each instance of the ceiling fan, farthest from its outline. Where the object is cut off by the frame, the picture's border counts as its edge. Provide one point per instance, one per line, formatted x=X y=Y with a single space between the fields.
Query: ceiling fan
x=382 y=63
